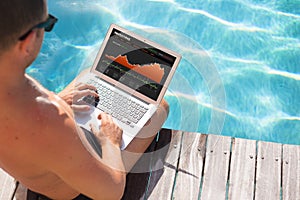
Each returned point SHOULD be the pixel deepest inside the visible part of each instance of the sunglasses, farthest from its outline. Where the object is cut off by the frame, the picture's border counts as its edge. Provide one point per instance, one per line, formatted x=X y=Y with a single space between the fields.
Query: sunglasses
x=47 y=25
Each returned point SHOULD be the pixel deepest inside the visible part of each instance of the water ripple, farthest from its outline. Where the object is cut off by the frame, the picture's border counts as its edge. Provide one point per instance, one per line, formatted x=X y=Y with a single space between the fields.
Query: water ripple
x=275 y=12
x=235 y=26
x=284 y=74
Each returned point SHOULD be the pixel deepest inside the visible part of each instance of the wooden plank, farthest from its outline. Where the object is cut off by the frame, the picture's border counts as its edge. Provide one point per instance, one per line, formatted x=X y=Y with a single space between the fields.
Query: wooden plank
x=242 y=170
x=291 y=172
x=7 y=185
x=268 y=176
x=216 y=167
x=162 y=179
x=190 y=166
x=21 y=192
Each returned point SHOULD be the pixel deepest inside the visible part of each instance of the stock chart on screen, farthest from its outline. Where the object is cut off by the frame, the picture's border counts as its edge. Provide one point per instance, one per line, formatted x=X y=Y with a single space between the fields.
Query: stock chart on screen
x=135 y=64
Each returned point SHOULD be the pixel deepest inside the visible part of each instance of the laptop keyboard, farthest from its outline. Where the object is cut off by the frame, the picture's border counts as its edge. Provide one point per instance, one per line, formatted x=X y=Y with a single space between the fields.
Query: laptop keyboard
x=119 y=106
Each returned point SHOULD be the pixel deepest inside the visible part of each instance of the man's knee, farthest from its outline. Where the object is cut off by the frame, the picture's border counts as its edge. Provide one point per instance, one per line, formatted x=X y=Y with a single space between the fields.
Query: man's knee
x=165 y=107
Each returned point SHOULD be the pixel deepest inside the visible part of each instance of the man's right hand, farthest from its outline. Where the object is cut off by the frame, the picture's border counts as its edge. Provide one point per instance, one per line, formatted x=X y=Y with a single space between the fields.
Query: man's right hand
x=110 y=137
x=109 y=131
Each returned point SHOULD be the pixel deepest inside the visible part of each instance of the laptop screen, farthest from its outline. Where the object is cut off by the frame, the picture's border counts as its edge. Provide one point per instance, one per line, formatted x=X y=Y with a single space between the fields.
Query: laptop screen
x=135 y=64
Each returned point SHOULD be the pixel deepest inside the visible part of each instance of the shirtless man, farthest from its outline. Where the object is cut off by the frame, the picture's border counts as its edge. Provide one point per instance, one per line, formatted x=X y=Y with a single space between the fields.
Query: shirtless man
x=40 y=144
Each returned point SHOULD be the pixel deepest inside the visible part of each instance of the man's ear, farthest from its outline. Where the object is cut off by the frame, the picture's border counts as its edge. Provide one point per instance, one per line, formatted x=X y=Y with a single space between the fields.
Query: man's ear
x=26 y=46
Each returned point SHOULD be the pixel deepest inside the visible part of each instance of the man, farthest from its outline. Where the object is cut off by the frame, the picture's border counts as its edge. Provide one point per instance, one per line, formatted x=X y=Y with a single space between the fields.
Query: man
x=40 y=144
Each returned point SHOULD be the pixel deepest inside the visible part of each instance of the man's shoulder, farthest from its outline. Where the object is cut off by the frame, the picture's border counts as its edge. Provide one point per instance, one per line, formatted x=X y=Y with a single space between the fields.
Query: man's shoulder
x=49 y=114
x=47 y=101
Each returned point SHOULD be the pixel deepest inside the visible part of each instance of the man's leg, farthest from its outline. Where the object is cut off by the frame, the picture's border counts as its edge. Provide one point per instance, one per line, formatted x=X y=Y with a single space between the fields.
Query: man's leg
x=140 y=143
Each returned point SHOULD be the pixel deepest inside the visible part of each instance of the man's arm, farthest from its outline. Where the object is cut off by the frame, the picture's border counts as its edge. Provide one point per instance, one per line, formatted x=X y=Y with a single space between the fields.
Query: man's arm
x=72 y=158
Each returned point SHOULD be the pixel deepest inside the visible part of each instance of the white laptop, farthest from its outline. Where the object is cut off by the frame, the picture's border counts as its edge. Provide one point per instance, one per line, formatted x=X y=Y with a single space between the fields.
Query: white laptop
x=131 y=75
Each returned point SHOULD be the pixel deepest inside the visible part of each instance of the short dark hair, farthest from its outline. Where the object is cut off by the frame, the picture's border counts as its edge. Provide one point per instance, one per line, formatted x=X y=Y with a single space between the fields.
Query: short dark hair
x=17 y=17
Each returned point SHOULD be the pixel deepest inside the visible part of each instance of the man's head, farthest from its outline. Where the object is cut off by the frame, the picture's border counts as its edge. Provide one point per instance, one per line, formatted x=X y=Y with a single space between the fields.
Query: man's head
x=17 y=18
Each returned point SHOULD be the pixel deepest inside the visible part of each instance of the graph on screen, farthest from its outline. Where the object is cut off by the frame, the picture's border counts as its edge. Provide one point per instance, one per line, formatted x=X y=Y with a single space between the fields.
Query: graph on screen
x=153 y=71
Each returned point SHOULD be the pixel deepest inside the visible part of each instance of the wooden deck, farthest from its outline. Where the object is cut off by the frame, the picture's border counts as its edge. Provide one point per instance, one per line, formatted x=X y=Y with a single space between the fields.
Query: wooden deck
x=182 y=165
x=7 y=186
x=210 y=167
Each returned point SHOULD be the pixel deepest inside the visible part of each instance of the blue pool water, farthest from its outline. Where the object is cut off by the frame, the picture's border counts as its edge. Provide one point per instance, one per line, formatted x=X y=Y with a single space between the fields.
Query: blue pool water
x=240 y=72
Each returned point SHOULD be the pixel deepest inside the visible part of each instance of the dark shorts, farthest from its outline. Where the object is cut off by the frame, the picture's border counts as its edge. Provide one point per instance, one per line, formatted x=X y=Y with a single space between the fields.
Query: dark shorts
x=35 y=196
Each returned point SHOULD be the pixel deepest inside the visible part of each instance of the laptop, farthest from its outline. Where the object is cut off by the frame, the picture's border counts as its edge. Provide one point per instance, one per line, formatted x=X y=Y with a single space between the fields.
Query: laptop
x=131 y=74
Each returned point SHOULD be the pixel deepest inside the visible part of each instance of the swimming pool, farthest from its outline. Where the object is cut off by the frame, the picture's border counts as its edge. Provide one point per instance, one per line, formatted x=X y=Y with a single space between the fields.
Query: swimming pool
x=240 y=72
